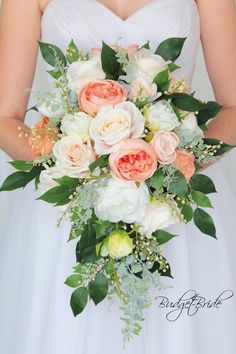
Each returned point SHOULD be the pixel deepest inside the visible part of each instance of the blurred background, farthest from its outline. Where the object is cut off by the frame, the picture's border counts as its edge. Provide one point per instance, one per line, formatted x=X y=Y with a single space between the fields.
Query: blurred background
x=201 y=85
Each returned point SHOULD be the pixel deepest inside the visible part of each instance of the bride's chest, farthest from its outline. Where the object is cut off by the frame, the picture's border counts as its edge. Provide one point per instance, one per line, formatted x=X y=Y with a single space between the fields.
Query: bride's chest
x=89 y=21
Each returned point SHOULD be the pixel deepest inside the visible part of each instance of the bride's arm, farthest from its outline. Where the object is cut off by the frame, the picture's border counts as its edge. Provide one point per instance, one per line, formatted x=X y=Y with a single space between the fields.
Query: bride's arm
x=19 y=32
x=218 y=35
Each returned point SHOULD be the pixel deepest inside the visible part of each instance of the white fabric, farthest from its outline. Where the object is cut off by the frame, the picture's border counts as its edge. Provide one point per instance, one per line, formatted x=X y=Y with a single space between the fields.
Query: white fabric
x=35 y=258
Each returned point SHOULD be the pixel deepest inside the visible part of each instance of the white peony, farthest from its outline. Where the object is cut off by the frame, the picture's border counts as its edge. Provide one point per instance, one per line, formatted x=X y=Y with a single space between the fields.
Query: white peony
x=189 y=127
x=143 y=88
x=159 y=215
x=161 y=116
x=121 y=201
x=55 y=108
x=80 y=73
x=73 y=156
x=46 y=179
x=146 y=64
x=115 y=124
x=79 y=124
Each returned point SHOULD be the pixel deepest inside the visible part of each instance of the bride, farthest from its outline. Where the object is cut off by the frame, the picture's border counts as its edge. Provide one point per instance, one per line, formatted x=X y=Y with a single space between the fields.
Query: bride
x=35 y=259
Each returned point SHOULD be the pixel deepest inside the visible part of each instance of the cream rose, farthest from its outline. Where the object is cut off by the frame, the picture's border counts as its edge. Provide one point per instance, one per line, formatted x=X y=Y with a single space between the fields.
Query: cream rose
x=80 y=73
x=159 y=215
x=79 y=124
x=146 y=64
x=161 y=116
x=121 y=201
x=165 y=144
x=73 y=156
x=114 y=124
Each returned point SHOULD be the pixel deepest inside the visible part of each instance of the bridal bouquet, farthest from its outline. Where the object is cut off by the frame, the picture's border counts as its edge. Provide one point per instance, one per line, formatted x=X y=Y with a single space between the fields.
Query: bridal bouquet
x=118 y=148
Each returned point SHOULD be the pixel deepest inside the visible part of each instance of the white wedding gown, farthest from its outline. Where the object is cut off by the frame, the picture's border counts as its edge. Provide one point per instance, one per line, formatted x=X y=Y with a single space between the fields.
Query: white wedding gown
x=35 y=258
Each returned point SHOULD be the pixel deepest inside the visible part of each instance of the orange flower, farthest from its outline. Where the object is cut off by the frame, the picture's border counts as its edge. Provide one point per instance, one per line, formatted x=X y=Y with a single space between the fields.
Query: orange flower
x=134 y=160
x=43 y=137
x=101 y=93
x=184 y=162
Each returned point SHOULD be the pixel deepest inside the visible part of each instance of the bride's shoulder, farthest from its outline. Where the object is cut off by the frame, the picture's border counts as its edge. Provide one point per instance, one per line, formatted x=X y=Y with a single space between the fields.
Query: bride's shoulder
x=43 y=4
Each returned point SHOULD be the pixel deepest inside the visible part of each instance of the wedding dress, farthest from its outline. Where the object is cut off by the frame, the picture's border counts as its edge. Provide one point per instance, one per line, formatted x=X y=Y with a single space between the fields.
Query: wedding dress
x=35 y=258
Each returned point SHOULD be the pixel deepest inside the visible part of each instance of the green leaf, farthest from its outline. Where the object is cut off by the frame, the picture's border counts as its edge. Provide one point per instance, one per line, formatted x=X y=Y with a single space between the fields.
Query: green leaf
x=202 y=183
x=186 y=102
x=79 y=299
x=72 y=52
x=156 y=181
x=98 y=288
x=68 y=182
x=55 y=73
x=51 y=54
x=201 y=199
x=204 y=222
x=102 y=161
x=163 y=236
x=110 y=64
x=187 y=212
x=103 y=228
x=56 y=195
x=162 y=80
x=86 y=246
x=208 y=111
x=21 y=165
x=170 y=49
x=179 y=185
x=73 y=281
x=109 y=267
x=157 y=267
x=223 y=147
x=146 y=45
x=20 y=179
x=173 y=67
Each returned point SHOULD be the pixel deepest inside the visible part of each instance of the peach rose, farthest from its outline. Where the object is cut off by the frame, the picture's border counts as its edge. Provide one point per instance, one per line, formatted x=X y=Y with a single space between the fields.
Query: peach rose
x=101 y=93
x=134 y=160
x=165 y=144
x=184 y=162
x=42 y=137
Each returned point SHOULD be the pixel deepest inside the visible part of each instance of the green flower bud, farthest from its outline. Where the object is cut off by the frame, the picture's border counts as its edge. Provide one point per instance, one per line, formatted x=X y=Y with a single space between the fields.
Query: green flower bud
x=119 y=244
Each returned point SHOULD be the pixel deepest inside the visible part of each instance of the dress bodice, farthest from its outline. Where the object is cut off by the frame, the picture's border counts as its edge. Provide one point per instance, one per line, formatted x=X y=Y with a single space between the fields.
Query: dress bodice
x=89 y=22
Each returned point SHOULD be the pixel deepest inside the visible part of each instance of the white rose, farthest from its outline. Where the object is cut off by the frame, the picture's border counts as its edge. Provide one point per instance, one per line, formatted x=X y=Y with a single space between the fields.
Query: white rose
x=189 y=127
x=121 y=201
x=159 y=215
x=46 y=178
x=53 y=106
x=142 y=88
x=73 y=156
x=114 y=124
x=161 y=116
x=79 y=123
x=146 y=64
x=80 y=73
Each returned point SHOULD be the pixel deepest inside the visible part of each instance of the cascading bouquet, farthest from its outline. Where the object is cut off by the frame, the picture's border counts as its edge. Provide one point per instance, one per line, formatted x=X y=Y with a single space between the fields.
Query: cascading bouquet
x=118 y=146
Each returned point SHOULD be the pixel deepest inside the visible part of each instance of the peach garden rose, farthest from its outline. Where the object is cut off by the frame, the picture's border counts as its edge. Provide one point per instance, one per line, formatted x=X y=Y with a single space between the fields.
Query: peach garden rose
x=165 y=144
x=97 y=94
x=134 y=160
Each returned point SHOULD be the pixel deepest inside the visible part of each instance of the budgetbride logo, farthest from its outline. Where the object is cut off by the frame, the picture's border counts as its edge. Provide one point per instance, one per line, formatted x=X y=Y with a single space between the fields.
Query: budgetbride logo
x=190 y=303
